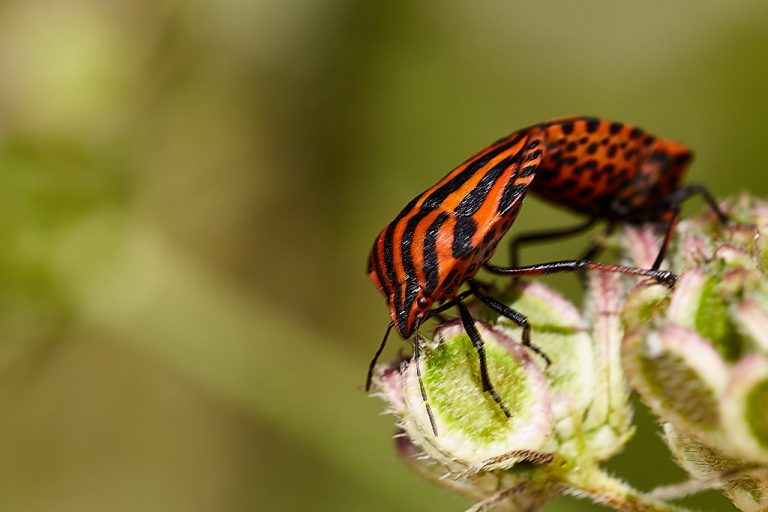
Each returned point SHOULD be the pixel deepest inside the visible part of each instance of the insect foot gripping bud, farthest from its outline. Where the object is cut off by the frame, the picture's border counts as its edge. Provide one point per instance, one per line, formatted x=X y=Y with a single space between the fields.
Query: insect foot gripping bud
x=565 y=417
x=701 y=365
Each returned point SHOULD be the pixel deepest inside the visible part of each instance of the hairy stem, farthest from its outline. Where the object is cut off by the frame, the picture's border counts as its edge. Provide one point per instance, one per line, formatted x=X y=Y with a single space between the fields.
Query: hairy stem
x=602 y=488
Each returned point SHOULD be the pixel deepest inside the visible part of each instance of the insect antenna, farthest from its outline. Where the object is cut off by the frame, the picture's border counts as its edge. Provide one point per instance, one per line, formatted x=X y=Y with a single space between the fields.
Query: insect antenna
x=375 y=359
x=416 y=356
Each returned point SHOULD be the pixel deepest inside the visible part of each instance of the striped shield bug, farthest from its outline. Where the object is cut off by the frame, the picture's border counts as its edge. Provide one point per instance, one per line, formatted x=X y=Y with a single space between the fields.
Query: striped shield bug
x=442 y=238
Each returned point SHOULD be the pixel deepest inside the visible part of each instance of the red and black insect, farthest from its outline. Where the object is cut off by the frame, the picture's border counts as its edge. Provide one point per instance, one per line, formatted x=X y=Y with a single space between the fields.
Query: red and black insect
x=442 y=238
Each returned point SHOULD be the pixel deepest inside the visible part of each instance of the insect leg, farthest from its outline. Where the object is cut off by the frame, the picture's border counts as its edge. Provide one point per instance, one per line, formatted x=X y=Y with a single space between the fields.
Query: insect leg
x=542 y=236
x=416 y=356
x=449 y=304
x=675 y=200
x=555 y=267
x=691 y=189
x=477 y=341
x=517 y=317
x=667 y=239
x=376 y=357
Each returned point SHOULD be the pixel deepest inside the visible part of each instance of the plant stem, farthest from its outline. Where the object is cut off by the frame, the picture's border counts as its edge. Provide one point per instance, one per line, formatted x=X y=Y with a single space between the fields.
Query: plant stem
x=602 y=488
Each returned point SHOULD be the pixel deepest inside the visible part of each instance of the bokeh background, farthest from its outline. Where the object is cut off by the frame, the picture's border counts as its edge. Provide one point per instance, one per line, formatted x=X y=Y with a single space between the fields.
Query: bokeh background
x=189 y=189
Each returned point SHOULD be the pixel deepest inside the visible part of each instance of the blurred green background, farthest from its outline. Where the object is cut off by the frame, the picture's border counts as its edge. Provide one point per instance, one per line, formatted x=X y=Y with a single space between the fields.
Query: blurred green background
x=189 y=190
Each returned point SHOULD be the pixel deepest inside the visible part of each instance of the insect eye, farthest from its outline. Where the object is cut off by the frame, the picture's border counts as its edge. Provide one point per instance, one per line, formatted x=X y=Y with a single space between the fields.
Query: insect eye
x=422 y=302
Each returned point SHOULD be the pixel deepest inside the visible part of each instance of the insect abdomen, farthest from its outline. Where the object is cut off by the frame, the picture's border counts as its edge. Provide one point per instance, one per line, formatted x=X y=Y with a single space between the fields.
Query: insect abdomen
x=599 y=167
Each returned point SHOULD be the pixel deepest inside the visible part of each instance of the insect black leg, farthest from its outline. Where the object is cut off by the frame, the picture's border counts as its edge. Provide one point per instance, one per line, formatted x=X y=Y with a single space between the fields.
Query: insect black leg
x=371 y=366
x=477 y=341
x=692 y=189
x=542 y=236
x=674 y=201
x=416 y=357
x=449 y=304
x=555 y=267
x=667 y=239
x=441 y=318
x=517 y=317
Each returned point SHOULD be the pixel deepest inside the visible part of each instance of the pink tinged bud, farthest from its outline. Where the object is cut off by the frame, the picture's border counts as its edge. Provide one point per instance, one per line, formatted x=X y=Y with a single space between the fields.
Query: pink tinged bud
x=752 y=318
x=609 y=418
x=745 y=485
x=744 y=409
x=680 y=377
x=642 y=245
x=686 y=298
